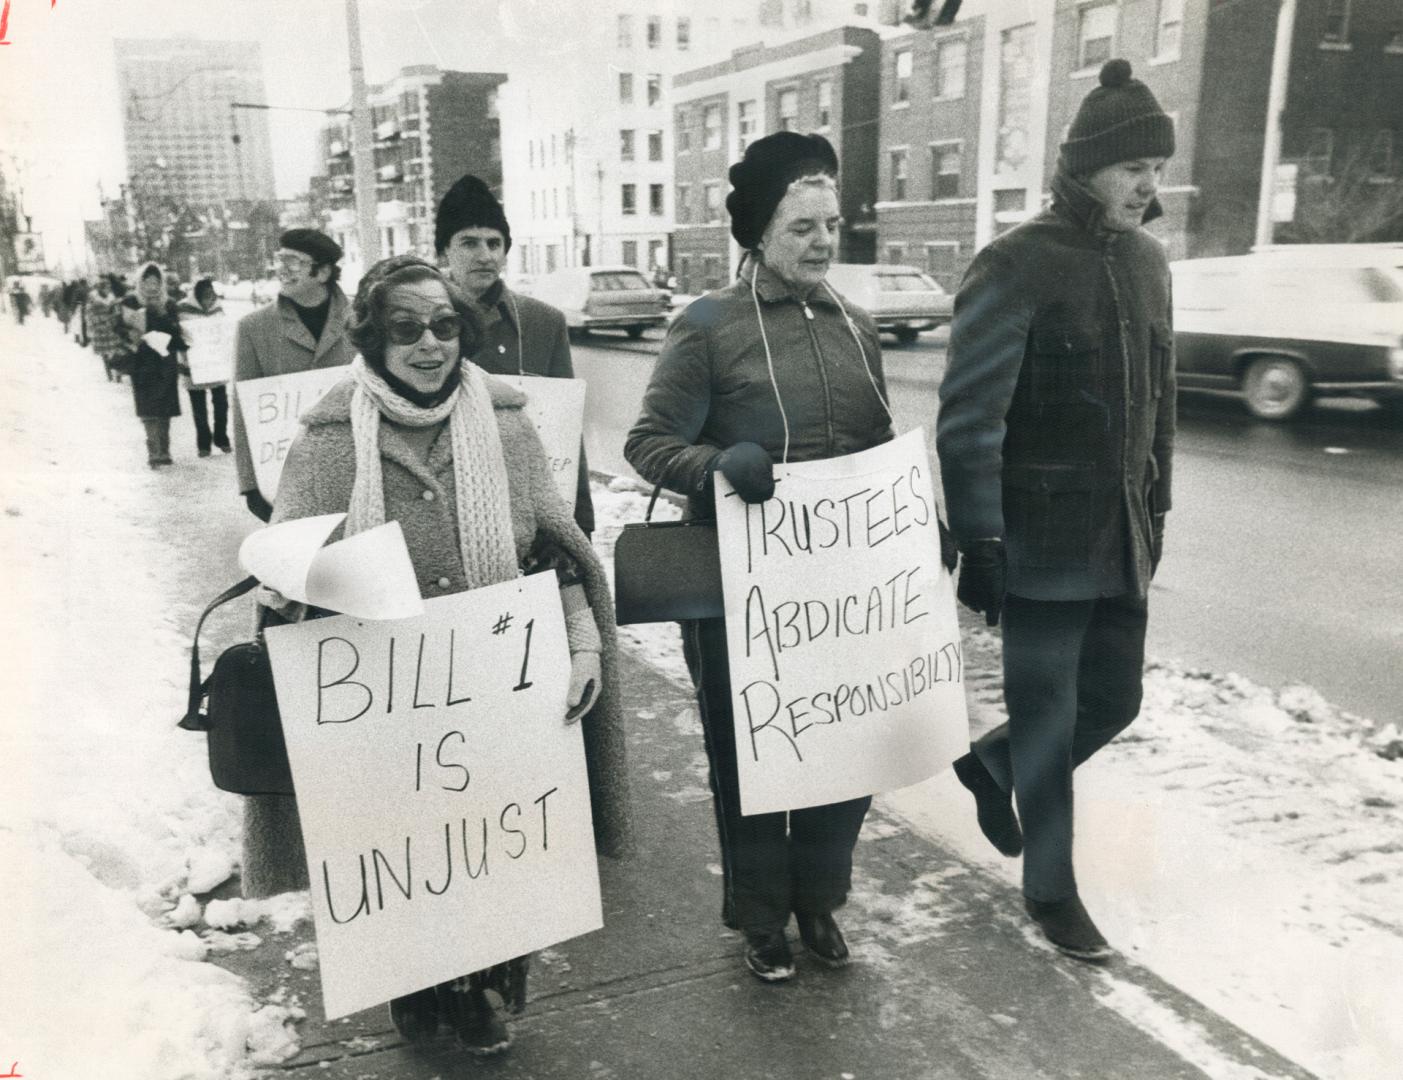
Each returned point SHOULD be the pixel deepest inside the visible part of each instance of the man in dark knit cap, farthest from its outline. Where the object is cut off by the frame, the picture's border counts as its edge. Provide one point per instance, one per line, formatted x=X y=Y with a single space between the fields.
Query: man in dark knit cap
x=304 y=329
x=522 y=336
x=1055 y=436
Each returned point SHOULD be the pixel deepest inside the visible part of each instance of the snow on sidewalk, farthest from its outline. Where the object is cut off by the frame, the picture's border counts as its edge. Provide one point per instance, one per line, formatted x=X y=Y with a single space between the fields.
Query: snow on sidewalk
x=108 y=820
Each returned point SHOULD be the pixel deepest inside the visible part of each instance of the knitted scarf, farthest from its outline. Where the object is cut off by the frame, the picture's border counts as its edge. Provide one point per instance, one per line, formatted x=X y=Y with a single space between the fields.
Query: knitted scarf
x=485 y=537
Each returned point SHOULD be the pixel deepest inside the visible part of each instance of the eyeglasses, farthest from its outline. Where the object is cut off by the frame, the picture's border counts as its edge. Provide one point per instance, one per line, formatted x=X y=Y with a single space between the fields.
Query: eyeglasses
x=409 y=331
x=293 y=262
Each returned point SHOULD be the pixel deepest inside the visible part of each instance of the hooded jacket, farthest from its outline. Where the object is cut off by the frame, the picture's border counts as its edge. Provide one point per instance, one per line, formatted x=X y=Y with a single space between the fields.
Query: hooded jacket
x=155 y=375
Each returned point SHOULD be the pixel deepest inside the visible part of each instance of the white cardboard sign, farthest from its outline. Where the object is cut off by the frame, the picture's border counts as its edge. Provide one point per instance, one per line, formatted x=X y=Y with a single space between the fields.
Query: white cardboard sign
x=272 y=408
x=443 y=798
x=211 y=341
x=557 y=408
x=846 y=667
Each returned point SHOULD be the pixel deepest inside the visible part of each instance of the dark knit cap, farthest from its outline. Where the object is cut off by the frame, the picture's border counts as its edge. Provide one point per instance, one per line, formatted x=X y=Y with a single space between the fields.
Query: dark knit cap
x=1118 y=121
x=469 y=204
x=760 y=179
x=323 y=250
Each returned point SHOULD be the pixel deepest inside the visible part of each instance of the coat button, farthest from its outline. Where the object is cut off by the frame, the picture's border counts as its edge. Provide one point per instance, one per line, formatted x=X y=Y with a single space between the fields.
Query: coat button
x=443 y=583
x=501 y=348
x=428 y=496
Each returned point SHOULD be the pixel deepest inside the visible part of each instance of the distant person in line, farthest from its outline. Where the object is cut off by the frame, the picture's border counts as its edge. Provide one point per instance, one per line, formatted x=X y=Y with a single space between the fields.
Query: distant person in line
x=305 y=329
x=153 y=354
x=1055 y=438
x=417 y=435
x=103 y=317
x=20 y=301
x=205 y=305
x=521 y=336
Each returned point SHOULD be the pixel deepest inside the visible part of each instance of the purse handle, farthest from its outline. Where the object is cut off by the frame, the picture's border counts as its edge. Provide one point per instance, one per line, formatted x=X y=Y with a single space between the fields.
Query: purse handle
x=194 y=719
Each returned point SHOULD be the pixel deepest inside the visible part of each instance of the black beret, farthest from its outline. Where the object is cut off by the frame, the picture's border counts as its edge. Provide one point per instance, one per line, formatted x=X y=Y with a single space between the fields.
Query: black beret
x=469 y=204
x=760 y=178
x=323 y=250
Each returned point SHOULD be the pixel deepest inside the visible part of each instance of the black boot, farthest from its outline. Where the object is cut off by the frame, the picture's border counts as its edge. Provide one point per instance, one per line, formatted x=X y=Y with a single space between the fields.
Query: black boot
x=475 y=1020
x=1066 y=924
x=822 y=937
x=993 y=806
x=767 y=955
x=415 y=1015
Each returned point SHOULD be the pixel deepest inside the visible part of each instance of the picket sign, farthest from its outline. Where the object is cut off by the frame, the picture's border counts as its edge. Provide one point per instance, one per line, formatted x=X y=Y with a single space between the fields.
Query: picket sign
x=211 y=341
x=557 y=408
x=846 y=667
x=444 y=800
x=272 y=408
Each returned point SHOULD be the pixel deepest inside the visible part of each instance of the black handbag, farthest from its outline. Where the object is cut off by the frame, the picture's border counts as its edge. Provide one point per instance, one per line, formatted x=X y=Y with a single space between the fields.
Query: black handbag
x=667 y=570
x=237 y=708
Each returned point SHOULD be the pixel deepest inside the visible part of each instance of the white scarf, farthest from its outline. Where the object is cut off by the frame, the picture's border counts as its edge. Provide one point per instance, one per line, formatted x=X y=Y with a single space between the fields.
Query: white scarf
x=485 y=536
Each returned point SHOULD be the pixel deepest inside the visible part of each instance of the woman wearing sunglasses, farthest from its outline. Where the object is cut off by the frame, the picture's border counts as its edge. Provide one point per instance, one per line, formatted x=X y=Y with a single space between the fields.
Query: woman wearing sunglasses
x=416 y=434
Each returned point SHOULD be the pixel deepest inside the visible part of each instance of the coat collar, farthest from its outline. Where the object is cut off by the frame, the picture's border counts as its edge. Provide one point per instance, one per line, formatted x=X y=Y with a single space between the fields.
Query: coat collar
x=335 y=327
x=1075 y=202
x=770 y=287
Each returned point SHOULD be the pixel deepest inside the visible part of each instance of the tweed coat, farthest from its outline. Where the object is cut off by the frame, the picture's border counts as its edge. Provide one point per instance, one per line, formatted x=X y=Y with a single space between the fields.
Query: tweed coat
x=102 y=324
x=317 y=479
x=273 y=341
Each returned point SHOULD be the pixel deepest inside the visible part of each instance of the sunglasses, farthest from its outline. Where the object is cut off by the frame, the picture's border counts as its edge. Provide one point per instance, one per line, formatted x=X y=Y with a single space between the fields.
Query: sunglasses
x=409 y=331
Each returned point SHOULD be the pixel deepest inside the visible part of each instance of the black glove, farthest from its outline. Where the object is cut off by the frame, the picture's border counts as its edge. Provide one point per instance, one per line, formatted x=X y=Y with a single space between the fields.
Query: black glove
x=1156 y=543
x=749 y=469
x=983 y=573
x=949 y=550
x=258 y=506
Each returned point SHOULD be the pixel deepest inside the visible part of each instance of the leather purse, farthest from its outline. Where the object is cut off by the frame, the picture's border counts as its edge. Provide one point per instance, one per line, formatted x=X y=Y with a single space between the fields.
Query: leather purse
x=667 y=570
x=237 y=708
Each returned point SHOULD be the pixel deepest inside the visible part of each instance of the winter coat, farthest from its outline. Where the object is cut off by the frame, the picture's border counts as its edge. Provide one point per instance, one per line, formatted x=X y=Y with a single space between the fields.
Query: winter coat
x=102 y=324
x=192 y=311
x=273 y=341
x=539 y=345
x=1056 y=424
x=155 y=376
x=317 y=479
x=711 y=386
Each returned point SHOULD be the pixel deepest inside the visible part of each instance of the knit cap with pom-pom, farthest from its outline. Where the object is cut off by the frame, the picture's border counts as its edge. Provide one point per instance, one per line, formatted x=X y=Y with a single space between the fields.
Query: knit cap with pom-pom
x=1118 y=121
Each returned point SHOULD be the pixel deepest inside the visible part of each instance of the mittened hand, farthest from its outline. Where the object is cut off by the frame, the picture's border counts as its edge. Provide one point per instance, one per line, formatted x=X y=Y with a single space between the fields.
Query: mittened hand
x=749 y=469
x=586 y=674
x=983 y=576
x=949 y=550
x=257 y=505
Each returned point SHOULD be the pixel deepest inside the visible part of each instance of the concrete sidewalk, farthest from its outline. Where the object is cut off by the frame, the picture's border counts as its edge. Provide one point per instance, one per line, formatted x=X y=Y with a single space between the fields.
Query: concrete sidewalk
x=947 y=980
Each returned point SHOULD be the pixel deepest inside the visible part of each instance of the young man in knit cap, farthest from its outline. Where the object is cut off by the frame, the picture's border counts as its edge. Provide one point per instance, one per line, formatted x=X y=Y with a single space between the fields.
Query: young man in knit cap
x=522 y=336
x=1055 y=435
x=304 y=329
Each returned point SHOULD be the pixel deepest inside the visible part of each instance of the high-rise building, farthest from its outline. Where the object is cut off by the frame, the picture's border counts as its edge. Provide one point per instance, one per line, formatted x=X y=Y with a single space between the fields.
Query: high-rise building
x=179 y=125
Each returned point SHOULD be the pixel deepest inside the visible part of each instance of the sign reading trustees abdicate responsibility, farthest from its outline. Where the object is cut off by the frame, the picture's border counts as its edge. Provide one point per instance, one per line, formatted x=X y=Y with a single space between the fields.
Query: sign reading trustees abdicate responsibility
x=273 y=408
x=444 y=801
x=847 y=674
x=557 y=408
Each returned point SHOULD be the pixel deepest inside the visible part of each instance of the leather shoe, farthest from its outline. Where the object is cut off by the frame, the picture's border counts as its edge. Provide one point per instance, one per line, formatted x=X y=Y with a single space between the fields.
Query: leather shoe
x=767 y=955
x=478 y=1026
x=993 y=806
x=821 y=936
x=1066 y=924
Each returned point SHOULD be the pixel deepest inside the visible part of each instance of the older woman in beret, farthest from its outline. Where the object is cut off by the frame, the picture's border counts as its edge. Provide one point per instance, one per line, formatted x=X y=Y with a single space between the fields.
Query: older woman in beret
x=776 y=367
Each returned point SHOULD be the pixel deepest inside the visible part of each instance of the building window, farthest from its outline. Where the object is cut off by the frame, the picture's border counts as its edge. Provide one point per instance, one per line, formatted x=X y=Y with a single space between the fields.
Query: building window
x=684 y=204
x=898 y=175
x=946 y=162
x=628 y=198
x=1096 y=35
x=655 y=145
x=630 y=252
x=626 y=145
x=625 y=88
x=825 y=105
x=711 y=127
x=1336 y=23
x=655 y=89
x=655 y=200
x=1169 y=29
x=711 y=271
x=1320 y=152
x=625 y=32
x=789 y=110
x=713 y=203
x=684 y=275
x=684 y=131
x=533 y=205
x=951 y=57
x=903 y=77
x=684 y=34
x=896 y=253
x=803 y=11
x=531 y=152
x=1381 y=155
x=655 y=31
x=745 y=124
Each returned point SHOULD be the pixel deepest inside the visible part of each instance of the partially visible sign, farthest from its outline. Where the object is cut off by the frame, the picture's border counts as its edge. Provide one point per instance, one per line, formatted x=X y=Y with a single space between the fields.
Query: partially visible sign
x=444 y=800
x=557 y=408
x=211 y=341
x=272 y=410
x=29 y=253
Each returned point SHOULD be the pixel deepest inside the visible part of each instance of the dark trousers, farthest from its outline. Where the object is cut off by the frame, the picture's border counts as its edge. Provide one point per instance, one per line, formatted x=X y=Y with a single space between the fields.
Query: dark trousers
x=1073 y=679
x=158 y=438
x=772 y=864
x=204 y=439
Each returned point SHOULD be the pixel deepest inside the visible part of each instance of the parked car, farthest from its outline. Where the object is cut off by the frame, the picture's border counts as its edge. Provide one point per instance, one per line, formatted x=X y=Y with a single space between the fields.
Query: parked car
x=603 y=298
x=1286 y=323
x=902 y=299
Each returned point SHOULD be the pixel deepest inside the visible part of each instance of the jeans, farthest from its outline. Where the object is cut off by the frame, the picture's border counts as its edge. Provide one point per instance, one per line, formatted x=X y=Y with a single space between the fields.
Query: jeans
x=203 y=436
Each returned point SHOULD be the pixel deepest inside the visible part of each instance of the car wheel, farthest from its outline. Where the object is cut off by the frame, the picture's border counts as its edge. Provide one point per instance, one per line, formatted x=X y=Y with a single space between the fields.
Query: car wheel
x=1275 y=388
x=905 y=335
x=635 y=332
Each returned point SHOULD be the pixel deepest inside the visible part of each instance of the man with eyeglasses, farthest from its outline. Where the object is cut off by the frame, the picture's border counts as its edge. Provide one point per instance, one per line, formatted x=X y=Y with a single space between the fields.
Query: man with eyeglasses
x=304 y=329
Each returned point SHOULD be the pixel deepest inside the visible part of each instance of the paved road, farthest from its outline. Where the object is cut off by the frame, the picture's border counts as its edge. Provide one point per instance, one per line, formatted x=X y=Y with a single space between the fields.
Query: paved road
x=1283 y=556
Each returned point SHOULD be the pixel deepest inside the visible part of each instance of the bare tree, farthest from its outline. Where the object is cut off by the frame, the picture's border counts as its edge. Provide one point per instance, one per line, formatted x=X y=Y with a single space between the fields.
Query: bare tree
x=1354 y=200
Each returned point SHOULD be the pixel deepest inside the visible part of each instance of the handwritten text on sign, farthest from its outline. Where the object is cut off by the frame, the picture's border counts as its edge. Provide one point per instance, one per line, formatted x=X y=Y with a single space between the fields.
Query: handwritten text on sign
x=444 y=800
x=846 y=669
x=272 y=408
x=557 y=408
x=211 y=355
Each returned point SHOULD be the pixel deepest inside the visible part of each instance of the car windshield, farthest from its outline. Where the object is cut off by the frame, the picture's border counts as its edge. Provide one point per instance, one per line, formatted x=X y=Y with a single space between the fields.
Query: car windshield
x=908 y=282
x=618 y=281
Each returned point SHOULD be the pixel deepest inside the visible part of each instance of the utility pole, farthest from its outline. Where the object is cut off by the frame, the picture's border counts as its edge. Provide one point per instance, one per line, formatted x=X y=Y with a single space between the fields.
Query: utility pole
x=362 y=145
x=1276 y=105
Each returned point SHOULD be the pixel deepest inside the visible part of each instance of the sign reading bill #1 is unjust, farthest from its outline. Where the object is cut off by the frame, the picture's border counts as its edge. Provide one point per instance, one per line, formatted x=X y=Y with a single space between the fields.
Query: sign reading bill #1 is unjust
x=846 y=666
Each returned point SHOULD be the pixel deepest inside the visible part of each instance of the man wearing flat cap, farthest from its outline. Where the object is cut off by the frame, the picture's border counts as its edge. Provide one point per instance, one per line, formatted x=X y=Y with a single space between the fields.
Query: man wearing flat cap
x=304 y=329
x=522 y=336
x=1055 y=436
